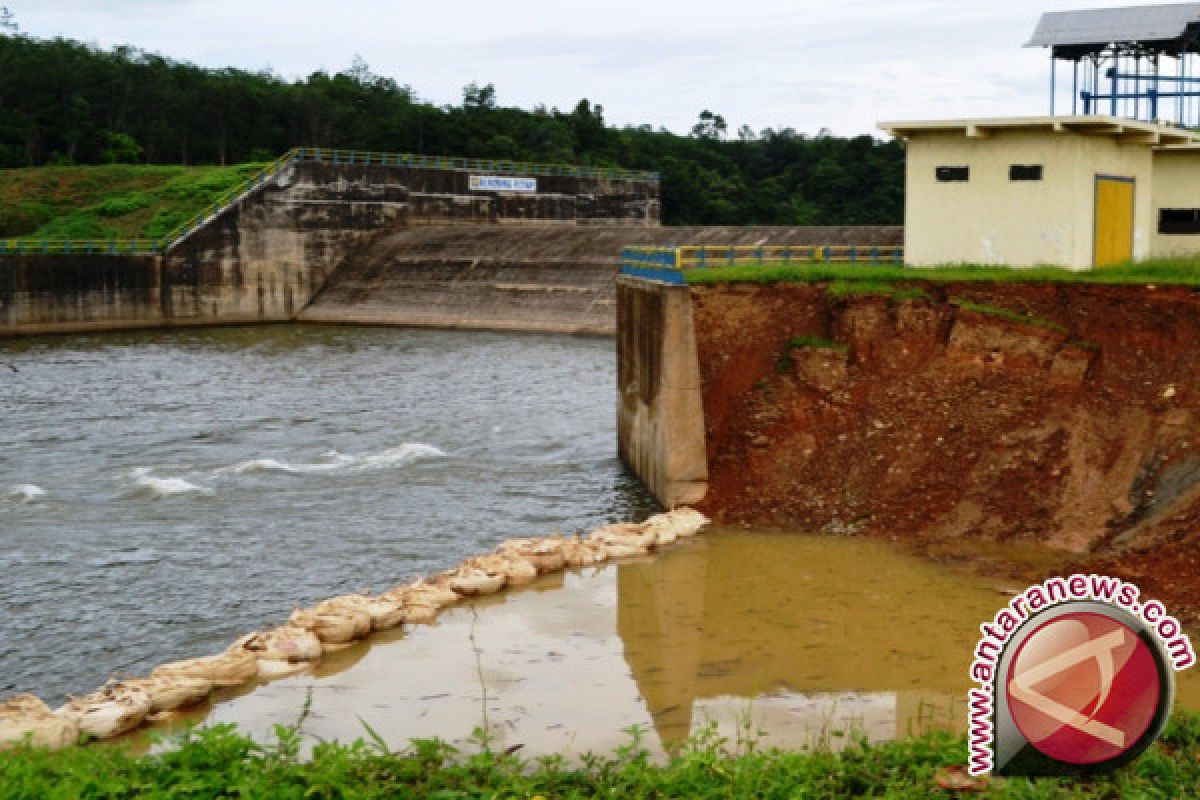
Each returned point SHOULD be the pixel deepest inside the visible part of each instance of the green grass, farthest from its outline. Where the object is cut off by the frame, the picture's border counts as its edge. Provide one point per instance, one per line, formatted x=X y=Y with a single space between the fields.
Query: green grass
x=1180 y=272
x=852 y=288
x=120 y=200
x=221 y=762
x=893 y=292
x=1007 y=314
x=785 y=363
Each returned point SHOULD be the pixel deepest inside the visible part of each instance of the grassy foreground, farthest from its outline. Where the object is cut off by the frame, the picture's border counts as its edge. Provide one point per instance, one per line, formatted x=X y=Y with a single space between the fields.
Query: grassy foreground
x=875 y=279
x=220 y=762
x=117 y=201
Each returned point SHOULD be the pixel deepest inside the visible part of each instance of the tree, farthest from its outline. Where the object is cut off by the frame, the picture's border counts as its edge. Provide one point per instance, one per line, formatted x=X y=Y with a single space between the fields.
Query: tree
x=120 y=148
x=7 y=22
x=479 y=98
x=711 y=126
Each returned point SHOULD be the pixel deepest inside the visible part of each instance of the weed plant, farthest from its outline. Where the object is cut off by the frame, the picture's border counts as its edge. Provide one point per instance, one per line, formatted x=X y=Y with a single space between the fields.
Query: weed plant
x=221 y=762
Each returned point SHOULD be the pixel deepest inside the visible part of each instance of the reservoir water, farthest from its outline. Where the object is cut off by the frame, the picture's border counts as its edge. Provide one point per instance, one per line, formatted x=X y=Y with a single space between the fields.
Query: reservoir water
x=162 y=493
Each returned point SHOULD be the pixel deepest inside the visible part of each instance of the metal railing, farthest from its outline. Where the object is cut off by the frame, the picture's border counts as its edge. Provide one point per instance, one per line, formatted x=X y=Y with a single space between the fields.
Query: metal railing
x=669 y=263
x=144 y=246
x=61 y=247
x=500 y=166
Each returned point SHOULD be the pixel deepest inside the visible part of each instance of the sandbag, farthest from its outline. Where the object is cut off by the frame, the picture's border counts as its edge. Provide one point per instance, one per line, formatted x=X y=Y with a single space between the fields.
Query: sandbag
x=578 y=553
x=289 y=643
x=516 y=570
x=618 y=550
x=351 y=605
x=624 y=533
x=546 y=555
x=111 y=711
x=420 y=601
x=420 y=615
x=171 y=693
x=680 y=523
x=422 y=593
x=385 y=613
x=470 y=581
x=231 y=668
x=25 y=718
x=331 y=624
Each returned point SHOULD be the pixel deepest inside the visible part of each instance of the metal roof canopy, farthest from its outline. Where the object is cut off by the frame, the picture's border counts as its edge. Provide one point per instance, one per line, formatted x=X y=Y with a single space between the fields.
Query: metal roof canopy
x=1173 y=29
x=1129 y=131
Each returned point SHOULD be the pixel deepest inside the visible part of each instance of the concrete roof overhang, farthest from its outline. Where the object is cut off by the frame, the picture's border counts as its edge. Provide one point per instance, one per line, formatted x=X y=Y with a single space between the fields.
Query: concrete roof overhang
x=1127 y=131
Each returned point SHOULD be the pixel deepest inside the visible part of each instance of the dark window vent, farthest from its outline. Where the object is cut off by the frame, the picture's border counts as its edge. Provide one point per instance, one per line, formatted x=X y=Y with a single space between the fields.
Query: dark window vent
x=1025 y=172
x=1179 y=220
x=953 y=174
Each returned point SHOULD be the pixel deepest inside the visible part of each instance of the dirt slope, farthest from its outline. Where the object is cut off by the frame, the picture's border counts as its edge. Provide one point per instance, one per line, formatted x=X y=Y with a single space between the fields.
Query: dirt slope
x=1067 y=416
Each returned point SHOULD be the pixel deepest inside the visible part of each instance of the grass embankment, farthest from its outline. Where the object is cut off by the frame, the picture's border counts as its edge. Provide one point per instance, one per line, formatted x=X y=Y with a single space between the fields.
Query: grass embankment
x=851 y=279
x=219 y=762
x=118 y=201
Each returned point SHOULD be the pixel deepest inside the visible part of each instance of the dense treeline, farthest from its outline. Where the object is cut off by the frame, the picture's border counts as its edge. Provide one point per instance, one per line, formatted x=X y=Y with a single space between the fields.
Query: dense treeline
x=64 y=102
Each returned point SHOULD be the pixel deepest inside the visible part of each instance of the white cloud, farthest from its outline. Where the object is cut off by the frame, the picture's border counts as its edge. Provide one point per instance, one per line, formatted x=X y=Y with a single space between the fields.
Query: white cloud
x=837 y=64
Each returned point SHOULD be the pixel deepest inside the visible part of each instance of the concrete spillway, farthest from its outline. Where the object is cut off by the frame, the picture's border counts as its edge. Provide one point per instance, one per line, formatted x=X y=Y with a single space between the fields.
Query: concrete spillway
x=535 y=278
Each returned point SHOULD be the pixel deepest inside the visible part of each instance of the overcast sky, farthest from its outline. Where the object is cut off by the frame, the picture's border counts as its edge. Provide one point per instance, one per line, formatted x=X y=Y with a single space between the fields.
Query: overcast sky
x=804 y=64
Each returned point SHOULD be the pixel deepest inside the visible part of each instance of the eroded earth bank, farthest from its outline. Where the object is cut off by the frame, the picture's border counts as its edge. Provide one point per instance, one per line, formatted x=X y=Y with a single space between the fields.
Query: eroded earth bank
x=1033 y=428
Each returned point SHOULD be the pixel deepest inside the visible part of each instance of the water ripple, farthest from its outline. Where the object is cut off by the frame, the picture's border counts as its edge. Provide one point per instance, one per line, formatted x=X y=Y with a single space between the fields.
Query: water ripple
x=200 y=484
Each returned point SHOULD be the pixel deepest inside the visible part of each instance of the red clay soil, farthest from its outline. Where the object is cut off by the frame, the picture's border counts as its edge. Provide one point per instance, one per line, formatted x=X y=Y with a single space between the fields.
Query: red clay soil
x=966 y=433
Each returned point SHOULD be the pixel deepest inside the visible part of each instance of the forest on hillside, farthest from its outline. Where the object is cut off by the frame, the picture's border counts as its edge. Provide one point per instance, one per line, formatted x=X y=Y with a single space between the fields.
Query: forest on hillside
x=66 y=102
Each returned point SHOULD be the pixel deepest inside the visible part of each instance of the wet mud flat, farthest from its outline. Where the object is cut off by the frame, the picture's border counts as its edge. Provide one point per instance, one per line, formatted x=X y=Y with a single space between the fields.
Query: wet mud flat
x=795 y=640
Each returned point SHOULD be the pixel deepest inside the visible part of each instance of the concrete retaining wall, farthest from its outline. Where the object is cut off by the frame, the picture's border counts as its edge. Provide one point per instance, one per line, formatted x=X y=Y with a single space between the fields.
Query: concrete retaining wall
x=660 y=413
x=75 y=293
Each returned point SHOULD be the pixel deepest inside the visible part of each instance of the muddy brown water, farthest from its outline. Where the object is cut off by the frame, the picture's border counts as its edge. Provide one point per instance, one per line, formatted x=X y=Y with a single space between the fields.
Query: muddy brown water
x=793 y=640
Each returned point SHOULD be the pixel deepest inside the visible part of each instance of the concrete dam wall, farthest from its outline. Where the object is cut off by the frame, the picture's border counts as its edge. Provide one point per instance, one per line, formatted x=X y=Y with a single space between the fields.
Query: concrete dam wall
x=544 y=278
x=264 y=257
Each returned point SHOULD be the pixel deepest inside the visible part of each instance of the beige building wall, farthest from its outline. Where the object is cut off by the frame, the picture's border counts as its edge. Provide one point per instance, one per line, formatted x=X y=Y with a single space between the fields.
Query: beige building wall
x=991 y=219
x=1176 y=185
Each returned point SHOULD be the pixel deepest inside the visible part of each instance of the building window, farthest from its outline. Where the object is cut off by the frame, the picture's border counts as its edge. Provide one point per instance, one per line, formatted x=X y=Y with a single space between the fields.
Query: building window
x=1025 y=172
x=953 y=174
x=1179 y=220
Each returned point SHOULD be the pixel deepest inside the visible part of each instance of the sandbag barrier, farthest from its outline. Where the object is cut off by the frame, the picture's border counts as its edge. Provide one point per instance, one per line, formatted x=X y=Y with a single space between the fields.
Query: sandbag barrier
x=124 y=705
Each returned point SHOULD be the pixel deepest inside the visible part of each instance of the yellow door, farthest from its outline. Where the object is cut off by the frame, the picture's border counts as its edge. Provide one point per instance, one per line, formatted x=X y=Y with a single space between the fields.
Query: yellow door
x=1114 y=220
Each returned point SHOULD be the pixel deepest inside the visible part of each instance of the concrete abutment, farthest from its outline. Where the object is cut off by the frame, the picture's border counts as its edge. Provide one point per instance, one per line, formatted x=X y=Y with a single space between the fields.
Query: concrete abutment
x=660 y=412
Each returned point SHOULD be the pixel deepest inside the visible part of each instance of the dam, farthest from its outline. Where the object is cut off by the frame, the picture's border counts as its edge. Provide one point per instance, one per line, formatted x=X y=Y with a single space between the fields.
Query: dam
x=337 y=236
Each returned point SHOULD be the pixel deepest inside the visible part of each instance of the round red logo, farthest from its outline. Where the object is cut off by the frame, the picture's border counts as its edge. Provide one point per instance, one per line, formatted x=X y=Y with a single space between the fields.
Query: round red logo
x=1083 y=688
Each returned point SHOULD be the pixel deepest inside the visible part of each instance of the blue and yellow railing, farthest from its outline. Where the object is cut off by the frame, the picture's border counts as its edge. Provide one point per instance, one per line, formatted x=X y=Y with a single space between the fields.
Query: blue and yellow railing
x=669 y=264
x=118 y=246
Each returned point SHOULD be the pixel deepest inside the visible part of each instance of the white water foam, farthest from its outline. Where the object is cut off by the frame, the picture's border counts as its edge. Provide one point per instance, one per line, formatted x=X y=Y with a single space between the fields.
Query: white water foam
x=25 y=493
x=144 y=480
x=340 y=462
